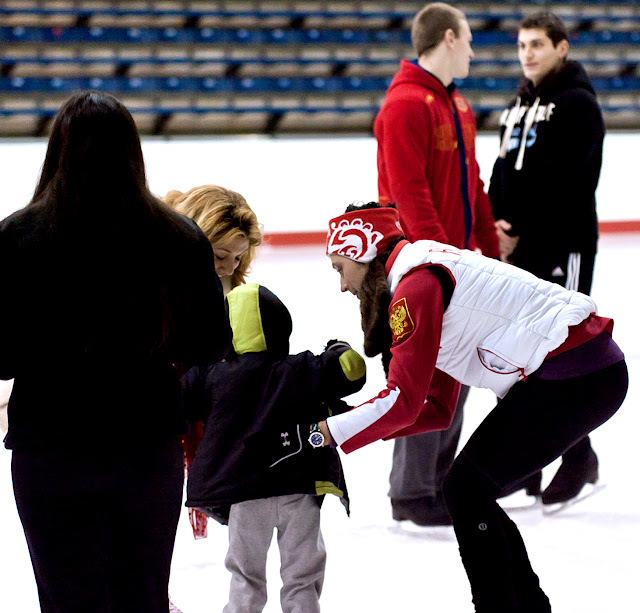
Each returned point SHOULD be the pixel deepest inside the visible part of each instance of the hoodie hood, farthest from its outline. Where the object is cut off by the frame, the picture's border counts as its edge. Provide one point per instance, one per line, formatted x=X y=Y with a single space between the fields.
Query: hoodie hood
x=571 y=75
x=259 y=321
x=412 y=73
x=541 y=100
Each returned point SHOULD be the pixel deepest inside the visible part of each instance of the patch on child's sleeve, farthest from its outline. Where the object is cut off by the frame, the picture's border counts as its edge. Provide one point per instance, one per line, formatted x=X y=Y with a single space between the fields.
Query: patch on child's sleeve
x=353 y=365
x=400 y=320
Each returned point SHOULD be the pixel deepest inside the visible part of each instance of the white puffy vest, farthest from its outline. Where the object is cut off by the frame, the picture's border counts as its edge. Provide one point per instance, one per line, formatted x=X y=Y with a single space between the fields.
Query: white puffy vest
x=501 y=322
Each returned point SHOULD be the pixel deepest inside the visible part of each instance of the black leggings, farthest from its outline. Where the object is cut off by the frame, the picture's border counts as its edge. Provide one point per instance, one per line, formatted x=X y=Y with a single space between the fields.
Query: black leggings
x=100 y=530
x=533 y=425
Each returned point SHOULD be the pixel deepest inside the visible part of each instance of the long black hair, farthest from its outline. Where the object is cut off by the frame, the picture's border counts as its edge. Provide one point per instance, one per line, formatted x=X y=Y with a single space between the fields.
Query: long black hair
x=94 y=157
x=104 y=225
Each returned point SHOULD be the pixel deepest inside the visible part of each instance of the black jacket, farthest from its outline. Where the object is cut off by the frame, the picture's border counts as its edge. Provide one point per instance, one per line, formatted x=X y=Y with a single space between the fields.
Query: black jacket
x=257 y=406
x=120 y=387
x=546 y=188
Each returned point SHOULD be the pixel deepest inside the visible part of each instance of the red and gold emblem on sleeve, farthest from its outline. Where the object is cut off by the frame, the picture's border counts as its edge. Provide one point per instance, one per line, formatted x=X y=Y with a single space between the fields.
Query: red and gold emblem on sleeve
x=400 y=320
x=461 y=103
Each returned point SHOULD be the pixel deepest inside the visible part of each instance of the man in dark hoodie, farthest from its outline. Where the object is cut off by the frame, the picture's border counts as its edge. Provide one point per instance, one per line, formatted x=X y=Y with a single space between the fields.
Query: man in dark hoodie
x=427 y=166
x=543 y=187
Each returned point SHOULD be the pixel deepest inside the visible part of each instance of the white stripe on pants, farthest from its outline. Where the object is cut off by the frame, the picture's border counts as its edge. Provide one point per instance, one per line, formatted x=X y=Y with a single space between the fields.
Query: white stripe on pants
x=302 y=553
x=573 y=272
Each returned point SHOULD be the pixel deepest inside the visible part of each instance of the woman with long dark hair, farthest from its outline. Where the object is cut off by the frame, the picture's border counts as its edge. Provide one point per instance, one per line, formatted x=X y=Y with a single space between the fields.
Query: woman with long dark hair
x=107 y=293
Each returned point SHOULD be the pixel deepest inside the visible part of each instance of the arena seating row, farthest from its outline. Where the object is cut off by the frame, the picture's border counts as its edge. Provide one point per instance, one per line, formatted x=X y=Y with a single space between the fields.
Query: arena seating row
x=607 y=10
x=275 y=36
x=263 y=85
x=279 y=109
x=273 y=65
x=250 y=66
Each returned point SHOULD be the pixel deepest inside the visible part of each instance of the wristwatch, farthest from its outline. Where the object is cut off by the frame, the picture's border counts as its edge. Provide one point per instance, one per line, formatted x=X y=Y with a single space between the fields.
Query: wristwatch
x=316 y=438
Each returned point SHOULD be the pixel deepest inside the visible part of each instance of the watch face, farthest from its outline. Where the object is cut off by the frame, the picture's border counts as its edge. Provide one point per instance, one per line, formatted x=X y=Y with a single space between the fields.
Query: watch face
x=316 y=439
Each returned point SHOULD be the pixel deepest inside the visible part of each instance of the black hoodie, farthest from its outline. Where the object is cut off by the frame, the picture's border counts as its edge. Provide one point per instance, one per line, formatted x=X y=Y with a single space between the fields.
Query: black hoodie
x=254 y=404
x=545 y=187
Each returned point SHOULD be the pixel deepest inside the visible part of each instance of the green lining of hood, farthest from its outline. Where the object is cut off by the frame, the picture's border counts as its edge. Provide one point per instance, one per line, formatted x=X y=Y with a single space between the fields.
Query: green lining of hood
x=245 y=319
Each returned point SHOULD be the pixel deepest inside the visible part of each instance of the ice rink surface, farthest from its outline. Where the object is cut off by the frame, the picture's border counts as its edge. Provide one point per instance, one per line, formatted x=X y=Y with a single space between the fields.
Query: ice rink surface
x=586 y=555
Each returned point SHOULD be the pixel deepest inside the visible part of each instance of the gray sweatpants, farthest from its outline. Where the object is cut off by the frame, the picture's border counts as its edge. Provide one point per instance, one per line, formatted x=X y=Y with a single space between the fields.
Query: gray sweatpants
x=302 y=553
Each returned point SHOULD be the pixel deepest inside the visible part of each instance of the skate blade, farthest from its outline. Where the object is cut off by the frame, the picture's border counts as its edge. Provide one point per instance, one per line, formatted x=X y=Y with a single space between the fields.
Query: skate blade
x=586 y=492
x=519 y=501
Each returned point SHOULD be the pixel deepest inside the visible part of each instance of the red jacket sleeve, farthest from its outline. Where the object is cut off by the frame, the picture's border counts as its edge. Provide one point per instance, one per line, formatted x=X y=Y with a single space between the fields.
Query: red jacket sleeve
x=403 y=143
x=417 y=398
x=441 y=403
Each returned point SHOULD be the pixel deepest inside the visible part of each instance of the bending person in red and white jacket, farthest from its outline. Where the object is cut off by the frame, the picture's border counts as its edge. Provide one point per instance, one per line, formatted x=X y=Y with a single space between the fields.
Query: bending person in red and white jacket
x=451 y=316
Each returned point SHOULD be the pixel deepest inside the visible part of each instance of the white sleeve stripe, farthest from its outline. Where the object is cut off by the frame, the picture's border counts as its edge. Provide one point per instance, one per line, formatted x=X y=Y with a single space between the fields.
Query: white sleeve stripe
x=346 y=426
x=573 y=272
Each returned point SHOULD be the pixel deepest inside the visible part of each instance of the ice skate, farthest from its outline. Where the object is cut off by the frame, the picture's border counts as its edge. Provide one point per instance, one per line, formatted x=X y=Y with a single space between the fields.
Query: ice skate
x=573 y=482
x=587 y=491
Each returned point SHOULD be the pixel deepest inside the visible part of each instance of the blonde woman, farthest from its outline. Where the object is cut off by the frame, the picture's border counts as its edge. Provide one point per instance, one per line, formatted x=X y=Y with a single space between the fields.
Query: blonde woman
x=235 y=234
x=230 y=225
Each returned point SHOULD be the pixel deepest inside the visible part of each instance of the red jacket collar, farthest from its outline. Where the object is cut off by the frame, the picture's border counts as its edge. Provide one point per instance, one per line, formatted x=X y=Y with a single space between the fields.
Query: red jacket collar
x=411 y=72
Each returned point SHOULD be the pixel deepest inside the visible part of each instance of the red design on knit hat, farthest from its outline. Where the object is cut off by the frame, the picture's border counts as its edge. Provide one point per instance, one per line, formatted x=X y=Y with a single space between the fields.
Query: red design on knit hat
x=361 y=235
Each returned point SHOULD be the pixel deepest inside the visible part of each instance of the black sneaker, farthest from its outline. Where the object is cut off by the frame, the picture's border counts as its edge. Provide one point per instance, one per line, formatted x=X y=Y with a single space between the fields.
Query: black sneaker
x=571 y=477
x=426 y=511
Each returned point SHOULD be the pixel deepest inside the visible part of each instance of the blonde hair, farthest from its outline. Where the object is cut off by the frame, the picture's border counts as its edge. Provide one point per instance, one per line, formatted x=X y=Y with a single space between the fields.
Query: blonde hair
x=222 y=215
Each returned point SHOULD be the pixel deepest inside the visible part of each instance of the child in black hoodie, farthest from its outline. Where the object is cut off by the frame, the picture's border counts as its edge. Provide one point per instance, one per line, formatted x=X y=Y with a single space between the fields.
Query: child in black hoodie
x=256 y=468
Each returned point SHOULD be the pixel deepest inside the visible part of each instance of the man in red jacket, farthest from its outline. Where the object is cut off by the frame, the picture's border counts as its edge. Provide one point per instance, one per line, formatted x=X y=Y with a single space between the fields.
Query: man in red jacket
x=427 y=166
